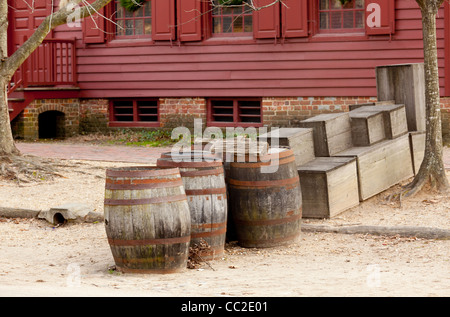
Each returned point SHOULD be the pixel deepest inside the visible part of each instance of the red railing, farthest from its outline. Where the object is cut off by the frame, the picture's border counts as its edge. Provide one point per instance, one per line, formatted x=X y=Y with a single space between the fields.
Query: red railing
x=52 y=63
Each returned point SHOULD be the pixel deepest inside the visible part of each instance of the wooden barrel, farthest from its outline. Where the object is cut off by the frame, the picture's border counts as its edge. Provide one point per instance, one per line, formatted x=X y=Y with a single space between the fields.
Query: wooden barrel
x=205 y=188
x=230 y=150
x=266 y=206
x=147 y=219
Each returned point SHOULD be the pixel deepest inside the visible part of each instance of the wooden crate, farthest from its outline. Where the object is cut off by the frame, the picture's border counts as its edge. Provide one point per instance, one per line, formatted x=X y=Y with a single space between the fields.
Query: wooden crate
x=417 y=145
x=332 y=133
x=382 y=165
x=367 y=126
x=329 y=186
x=375 y=103
x=395 y=120
x=404 y=83
x=299 y=140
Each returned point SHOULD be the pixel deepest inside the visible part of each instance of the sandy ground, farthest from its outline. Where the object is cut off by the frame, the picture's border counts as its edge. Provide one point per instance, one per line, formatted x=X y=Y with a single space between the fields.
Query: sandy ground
x=37 y=259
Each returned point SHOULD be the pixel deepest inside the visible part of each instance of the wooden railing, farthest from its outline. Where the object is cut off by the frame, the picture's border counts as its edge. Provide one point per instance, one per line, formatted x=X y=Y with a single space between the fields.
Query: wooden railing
x=52 y=63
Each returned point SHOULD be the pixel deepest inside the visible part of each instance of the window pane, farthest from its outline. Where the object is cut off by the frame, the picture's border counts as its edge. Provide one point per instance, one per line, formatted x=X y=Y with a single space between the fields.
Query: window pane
x=129 y=27
x=348 y=20
x=148 y=26
x=120 y=28
x=359 y=19
x=248 y=23
x=324 y=4
x=237 y=25
x=139 y=12
x=138 y=27
x=336 y=20
x=227 y=28
x=128 y=14
x=231 y=19
x=119 y=11
x=335 y=16
x=148 y=9
x=137 y=23
x=324 y=20
x=217 y=25
x=336 y=4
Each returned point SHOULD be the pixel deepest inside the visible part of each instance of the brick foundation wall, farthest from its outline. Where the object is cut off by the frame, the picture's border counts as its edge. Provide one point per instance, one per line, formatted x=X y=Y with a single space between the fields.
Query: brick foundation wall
x=178 y=112
x=289 y=111
x=26 y=125
x=94 y=115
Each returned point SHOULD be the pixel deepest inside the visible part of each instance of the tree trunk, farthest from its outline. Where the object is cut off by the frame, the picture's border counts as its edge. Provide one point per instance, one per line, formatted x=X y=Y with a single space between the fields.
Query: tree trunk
x=7 y=146
x=432 y=168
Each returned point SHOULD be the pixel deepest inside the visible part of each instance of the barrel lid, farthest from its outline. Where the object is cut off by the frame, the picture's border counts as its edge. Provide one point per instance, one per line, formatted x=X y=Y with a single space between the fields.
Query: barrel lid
x=192 y=154
x=141 y=171
x=170 y=162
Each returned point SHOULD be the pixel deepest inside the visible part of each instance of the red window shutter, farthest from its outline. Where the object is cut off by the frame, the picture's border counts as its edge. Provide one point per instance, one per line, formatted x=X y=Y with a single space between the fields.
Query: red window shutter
x=163 y=24
x=266 y=21
x=380 y=17
x=94 y=27
x=189 y=14
x=294 y=18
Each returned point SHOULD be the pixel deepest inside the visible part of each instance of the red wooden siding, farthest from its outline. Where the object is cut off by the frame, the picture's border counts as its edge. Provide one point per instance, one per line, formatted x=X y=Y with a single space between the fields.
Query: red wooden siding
x=317 y=65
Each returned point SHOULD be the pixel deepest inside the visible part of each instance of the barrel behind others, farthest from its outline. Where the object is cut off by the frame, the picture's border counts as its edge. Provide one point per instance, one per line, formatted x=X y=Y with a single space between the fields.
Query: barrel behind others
x=204 y=183
x=147 y=219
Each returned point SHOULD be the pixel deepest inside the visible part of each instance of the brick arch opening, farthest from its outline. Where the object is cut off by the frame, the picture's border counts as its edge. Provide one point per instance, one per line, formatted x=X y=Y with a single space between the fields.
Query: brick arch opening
x=51 y=124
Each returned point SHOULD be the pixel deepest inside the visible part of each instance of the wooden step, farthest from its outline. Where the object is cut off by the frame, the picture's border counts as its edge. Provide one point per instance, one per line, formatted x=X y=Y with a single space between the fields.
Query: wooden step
x=375 y=103
x=332 y=133
x=14 y=100
x=367 y=126
x=382 y=165
x=300 y=140
x=394 y=117
x=329 y=186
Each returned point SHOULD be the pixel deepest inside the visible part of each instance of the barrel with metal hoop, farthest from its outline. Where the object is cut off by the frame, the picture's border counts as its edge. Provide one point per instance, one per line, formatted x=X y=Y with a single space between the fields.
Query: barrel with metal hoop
x=147 y=219
x=266 y=199
x=204 y=183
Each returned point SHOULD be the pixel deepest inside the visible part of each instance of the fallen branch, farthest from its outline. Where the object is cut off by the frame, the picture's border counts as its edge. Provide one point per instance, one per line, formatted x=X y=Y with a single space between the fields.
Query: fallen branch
x=403 y=231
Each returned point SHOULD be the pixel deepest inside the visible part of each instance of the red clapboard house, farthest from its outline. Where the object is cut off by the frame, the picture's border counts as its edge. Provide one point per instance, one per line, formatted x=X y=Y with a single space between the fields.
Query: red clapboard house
x=175 y=60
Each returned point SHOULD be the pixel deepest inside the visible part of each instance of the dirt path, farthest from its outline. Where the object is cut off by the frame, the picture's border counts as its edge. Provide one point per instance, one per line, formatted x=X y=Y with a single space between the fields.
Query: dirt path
x=74 y=260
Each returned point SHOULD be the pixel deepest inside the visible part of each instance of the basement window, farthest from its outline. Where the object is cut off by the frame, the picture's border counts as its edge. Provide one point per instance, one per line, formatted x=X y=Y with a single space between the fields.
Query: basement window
x=223 y=112
x=134 y=113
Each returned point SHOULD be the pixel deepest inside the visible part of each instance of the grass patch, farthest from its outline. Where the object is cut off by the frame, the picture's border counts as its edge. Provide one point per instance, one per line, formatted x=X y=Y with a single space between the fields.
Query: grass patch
x=129 y=137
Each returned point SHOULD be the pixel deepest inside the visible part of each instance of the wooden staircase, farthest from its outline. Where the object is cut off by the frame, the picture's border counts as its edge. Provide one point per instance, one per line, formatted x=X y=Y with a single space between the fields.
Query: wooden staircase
x=48 y=73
